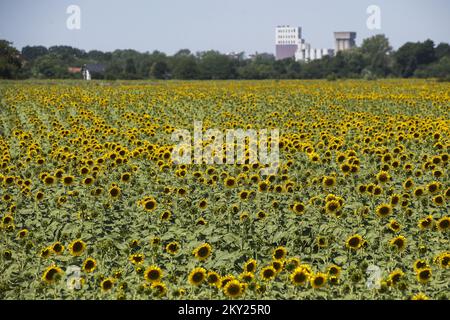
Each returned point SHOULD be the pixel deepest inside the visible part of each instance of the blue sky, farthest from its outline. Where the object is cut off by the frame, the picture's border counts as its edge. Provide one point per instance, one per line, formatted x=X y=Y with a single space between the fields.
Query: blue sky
x=224 y=25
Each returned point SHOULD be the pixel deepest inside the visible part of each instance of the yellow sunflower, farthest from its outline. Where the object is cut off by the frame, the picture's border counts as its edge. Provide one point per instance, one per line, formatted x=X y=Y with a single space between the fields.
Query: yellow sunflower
x=197 y=276
x=153 y=274
x=202 y=252
x=77 y=247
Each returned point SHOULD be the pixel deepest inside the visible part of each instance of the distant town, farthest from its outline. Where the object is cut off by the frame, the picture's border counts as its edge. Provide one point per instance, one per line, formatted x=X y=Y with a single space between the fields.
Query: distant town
x=295 y=58
x=290 y=44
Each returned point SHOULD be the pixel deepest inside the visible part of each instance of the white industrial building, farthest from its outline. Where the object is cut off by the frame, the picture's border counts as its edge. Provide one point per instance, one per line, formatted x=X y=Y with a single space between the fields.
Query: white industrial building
x=344 y=40
x=290 y=44
x=306 y=53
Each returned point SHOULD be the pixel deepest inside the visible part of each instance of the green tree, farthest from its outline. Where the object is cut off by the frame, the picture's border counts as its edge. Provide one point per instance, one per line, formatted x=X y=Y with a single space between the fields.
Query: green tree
x=159 y=70
x=293 y=70
x=10 y=61
x=376 y=51
x=114 y=70
x=439 y=70
x=214 y=65
x=442 y=50
x=31 y=53
x=50 y=66
x=130 y=69
x=184 y=65
x=411 y=55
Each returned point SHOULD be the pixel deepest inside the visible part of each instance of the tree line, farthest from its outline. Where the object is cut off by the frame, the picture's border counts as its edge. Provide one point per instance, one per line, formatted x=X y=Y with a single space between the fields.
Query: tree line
x=375 y=58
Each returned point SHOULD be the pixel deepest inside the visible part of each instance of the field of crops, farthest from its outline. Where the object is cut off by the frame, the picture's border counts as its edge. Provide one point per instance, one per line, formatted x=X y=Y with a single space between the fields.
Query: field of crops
x=93 y=207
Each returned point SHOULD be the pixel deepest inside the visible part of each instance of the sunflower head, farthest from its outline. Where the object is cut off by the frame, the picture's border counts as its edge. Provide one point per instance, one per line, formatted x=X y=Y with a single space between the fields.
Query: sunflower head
x=394 y=226
x=250 y=266
x=420 y=264
x=173 y=247
x=419 y=192
x=149 y=204
x=247 y=276
x=299 y=276
x=408 y=184
x=107 y=284
x=136 y=258
x=166 y=215
x=213 y=278
x=332 y=206
x=318 y=280
x=425 y=223
x=384 y=210
x=153 y=274
x=420 y=296
x=279 y=253
x=383 y=176
x=202 y=252
x=268 y=273
x=197 y=276
x=159 y=289
x=114 y=192
x=233 y=289
x=443 y=224
x=46 y=252
x=439 y=200
x=424 y=275
x=89 y=265
x=443 y=260
x=22 y=234
x=328 y=182
x=49 y=180
x=52 y=274
x=230 y=182
x=57 y=247
x=125 y=177
x=395 y=276
x=278 y=265
x=398 y=242
x=298 y=207
x=202 y=204
x=354 y=242
x=261 y=215
x=334 y=270
x=433 y=187
x=77 y=247
x=68 y=180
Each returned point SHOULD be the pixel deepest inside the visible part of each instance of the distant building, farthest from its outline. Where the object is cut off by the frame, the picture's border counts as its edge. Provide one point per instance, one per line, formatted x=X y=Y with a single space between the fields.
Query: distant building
x=344 y=40
x=306 y=53
x=236 y=55
x=262 y=56
x=74 y=69
x=93 y=69
x=287 y=41
x=290 y=44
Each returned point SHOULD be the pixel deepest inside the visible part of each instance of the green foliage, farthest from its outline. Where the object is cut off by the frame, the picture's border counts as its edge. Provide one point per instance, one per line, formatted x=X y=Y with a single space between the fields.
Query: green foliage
x=159 y=70
x=440 y=70
x=375 y=52
x=185 y=67
x=410 y=56
x=214 y=65
x=374 y=59
x=9 y=60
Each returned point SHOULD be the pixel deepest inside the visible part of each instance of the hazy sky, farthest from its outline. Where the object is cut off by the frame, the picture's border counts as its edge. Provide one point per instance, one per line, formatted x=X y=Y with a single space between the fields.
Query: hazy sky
x=224 y=25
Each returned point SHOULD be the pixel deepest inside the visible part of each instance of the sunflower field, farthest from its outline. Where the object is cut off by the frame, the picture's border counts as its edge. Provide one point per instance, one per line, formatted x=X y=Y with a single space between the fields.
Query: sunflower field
x=93 y=207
